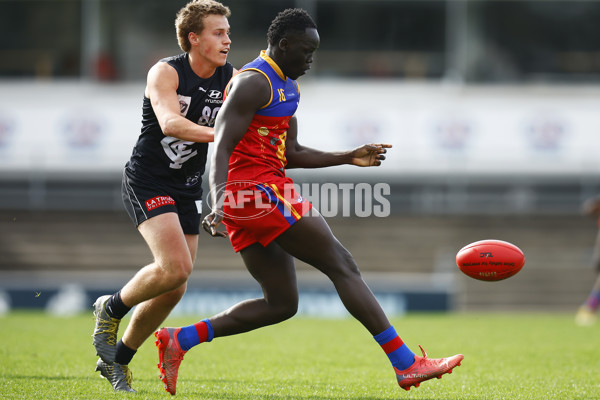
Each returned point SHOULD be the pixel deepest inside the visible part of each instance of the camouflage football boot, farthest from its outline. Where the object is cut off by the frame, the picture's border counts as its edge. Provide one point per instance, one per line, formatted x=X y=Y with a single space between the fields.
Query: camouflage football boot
x=118 y=375
x=105 y=331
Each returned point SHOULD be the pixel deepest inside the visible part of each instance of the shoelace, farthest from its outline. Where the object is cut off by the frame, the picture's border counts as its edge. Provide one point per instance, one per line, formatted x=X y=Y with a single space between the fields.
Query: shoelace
x=423 y=351
x=128 y=375
x=105 y=326
x=110 y=369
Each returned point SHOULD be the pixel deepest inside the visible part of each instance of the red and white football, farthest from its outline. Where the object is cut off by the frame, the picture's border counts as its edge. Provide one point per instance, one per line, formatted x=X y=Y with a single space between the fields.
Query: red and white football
x=490 y=260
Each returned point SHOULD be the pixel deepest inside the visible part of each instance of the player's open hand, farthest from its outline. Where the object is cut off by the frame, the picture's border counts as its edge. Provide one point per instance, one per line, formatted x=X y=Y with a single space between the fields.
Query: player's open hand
x=369 y=155
x=211 y=222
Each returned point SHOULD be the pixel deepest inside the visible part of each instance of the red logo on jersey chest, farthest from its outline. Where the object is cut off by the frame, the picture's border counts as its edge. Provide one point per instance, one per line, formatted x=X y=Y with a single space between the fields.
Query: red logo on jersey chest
x=159 y=201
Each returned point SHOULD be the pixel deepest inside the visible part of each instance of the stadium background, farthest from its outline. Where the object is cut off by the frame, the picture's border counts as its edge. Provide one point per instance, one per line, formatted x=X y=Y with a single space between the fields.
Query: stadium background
x=491 y=107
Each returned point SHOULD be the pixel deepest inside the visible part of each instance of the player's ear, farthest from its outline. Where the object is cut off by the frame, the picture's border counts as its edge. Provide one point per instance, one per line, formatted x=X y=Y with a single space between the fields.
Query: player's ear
x=193 y=38
x=283 y=44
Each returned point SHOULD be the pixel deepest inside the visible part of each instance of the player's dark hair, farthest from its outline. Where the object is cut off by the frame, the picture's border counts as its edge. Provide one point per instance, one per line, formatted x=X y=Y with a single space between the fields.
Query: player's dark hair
x=291 y=20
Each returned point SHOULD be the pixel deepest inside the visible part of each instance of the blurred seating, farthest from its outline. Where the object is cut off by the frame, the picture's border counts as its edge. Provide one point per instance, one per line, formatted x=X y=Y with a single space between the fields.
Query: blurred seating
x=555 y=277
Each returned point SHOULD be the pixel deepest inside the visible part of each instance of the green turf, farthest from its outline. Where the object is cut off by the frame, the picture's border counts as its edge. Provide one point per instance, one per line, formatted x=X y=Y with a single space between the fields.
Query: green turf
x=523 y=356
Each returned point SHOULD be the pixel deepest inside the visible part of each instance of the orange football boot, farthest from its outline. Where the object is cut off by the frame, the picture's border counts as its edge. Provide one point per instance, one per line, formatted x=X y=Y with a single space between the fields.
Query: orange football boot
x=425 y=368
x=170 y=356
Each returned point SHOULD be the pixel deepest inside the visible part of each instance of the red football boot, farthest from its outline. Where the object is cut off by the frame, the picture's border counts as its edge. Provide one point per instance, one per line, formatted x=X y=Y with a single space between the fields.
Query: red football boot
x=426 y=368
x=170 y=356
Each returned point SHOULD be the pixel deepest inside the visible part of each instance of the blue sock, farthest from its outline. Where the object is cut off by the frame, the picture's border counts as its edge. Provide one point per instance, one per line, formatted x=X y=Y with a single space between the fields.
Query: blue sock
x=399 y=354
x=593 y=300
x=190 y=336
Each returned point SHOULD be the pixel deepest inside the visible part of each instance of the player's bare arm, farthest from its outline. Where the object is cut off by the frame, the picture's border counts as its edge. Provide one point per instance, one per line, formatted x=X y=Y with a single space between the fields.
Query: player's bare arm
x=161 y=89
x=299 y=156
x=248 y=92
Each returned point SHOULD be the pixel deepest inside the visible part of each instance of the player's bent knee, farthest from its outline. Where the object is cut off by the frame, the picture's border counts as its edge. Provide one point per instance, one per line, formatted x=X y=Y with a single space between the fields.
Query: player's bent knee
x=350 y=264
x=289 y=310
x=173 y=297
x=344 y=265
x=285 y=311
x=176 y=274
x=283 y=315
x=180 y=278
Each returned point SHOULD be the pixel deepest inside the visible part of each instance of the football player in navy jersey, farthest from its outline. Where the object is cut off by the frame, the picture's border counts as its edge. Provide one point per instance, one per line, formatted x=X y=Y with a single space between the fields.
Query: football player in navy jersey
x=161 y=187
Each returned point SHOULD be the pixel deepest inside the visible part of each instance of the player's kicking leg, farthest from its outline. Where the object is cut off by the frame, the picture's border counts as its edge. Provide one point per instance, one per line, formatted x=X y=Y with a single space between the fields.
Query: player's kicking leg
x=311 y=241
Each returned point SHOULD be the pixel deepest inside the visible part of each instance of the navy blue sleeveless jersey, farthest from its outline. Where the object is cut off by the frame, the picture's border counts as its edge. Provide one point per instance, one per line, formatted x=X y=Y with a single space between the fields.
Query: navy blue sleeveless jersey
x=171 y=162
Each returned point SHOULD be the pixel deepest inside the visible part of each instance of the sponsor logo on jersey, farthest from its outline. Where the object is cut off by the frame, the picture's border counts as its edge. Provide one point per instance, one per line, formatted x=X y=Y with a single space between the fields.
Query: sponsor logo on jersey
x=215 y=94
x=263 y=131
x=158 y=201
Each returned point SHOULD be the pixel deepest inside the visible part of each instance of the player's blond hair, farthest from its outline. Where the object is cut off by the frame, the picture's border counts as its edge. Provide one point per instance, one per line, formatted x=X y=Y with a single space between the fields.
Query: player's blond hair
x=191 y=19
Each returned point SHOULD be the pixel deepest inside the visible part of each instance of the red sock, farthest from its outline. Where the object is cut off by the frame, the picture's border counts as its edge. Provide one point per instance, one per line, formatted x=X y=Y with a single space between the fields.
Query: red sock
x=193 y=335
x=202 y=330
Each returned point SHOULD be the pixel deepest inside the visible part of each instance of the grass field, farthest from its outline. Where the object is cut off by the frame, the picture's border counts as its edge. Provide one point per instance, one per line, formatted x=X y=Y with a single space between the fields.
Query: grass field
x=516 y=356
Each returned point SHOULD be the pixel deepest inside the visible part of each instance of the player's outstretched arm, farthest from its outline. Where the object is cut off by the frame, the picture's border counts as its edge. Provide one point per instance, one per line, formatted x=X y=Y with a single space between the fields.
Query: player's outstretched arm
x=298 y=156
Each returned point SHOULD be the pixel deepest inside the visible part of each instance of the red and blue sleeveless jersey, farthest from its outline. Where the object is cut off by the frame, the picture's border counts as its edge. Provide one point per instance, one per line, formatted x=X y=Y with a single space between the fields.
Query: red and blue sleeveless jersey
x=261 y=154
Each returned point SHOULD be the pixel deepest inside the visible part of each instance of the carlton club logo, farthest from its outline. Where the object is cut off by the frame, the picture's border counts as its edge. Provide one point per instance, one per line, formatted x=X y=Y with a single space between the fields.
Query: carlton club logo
x=158 y=201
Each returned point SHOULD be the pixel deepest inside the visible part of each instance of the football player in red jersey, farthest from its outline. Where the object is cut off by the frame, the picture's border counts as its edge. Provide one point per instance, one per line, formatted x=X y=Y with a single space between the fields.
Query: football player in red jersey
x=256 y=140
x=586 y=314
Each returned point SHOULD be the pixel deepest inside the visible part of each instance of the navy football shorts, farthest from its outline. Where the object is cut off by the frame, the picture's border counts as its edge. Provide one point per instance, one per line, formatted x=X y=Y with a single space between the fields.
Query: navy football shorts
x=144 y=200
